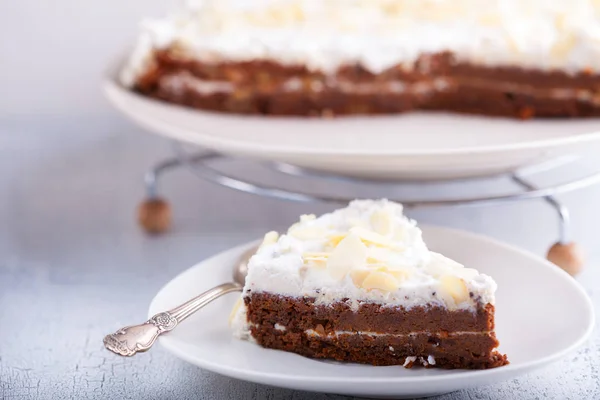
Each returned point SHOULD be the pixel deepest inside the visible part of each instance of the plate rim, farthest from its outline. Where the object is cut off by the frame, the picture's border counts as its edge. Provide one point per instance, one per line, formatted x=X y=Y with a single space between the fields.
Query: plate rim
x=511 y=369
x=116 y=92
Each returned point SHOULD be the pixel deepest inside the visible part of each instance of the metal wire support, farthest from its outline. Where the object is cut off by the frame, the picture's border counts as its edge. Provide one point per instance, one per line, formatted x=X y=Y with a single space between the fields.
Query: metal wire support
x=154 y=214
x=151 y=177
x=200 y=165
x=564 y=218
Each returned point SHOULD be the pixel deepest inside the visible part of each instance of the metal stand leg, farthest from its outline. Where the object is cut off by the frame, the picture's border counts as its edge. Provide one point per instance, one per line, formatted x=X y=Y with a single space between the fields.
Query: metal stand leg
x=564 y=218
x=151 y=177
x=154 y=213
x=564 y=253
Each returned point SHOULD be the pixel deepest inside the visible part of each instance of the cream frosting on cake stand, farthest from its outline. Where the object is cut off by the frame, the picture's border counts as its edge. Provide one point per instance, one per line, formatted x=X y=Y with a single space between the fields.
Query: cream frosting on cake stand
x=378 y=34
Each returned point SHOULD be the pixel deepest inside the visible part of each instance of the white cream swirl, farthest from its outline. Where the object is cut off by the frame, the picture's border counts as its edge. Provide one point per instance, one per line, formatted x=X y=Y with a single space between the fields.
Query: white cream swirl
x=368 y=251
x=379 y=34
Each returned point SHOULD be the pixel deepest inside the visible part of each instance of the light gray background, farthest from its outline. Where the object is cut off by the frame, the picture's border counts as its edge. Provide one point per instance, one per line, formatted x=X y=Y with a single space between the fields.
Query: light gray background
x=74 y=265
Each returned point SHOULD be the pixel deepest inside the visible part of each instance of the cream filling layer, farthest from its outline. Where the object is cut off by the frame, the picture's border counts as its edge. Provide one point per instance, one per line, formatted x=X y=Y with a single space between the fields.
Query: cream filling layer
x=182 y=82
x=336 y=334
x=179 y=84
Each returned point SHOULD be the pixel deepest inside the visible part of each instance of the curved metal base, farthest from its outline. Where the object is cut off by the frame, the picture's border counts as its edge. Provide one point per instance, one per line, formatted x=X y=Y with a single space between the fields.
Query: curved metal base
x=201 y=165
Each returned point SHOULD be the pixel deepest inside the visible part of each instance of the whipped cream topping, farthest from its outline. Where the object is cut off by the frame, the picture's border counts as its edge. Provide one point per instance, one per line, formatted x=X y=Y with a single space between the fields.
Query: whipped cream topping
x=379 y=34
x=366 y=252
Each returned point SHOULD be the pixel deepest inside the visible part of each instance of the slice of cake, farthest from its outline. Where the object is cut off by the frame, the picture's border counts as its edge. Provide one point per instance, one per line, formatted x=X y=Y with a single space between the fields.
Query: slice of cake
x=333 y=57
x=360 y=285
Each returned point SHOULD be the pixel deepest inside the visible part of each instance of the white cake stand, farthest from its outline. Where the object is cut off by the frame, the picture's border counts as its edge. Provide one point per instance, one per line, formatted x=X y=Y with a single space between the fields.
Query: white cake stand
x=155 y=213
x=417 y=146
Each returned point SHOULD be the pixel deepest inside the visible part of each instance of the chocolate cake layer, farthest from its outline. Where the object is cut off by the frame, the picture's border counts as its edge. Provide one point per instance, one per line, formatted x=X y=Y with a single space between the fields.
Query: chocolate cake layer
x=433 y=82
x=301 y=314
x=474 y=99
x=373 y=333
x=464 y=351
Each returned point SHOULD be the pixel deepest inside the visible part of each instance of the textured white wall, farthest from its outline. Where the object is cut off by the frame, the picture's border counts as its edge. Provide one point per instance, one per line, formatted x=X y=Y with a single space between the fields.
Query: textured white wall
x=53 y=52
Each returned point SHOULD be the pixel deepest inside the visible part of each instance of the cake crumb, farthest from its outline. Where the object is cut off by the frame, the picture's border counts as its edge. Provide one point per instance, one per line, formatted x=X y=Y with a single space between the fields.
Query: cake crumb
x=327 y=113
x=279 y=327
x=391 y=349
x=526 y=112
x=320 y=330
x=409 y=361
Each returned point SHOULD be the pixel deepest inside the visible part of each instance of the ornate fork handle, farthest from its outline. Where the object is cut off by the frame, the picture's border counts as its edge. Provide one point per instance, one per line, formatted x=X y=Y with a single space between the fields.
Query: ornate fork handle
x=130 y=340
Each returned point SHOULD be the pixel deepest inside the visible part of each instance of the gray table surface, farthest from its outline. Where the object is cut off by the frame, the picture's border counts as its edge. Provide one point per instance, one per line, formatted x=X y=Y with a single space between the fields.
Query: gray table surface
x=74 y=265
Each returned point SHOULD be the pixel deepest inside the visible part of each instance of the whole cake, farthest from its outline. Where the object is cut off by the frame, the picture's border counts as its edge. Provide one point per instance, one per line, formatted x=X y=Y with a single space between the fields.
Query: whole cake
x=515 y=58
x=360 y=285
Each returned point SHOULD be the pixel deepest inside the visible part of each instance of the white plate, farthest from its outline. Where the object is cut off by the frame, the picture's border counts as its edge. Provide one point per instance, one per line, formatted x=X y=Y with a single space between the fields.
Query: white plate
x=542 y=314
x=411 y=146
